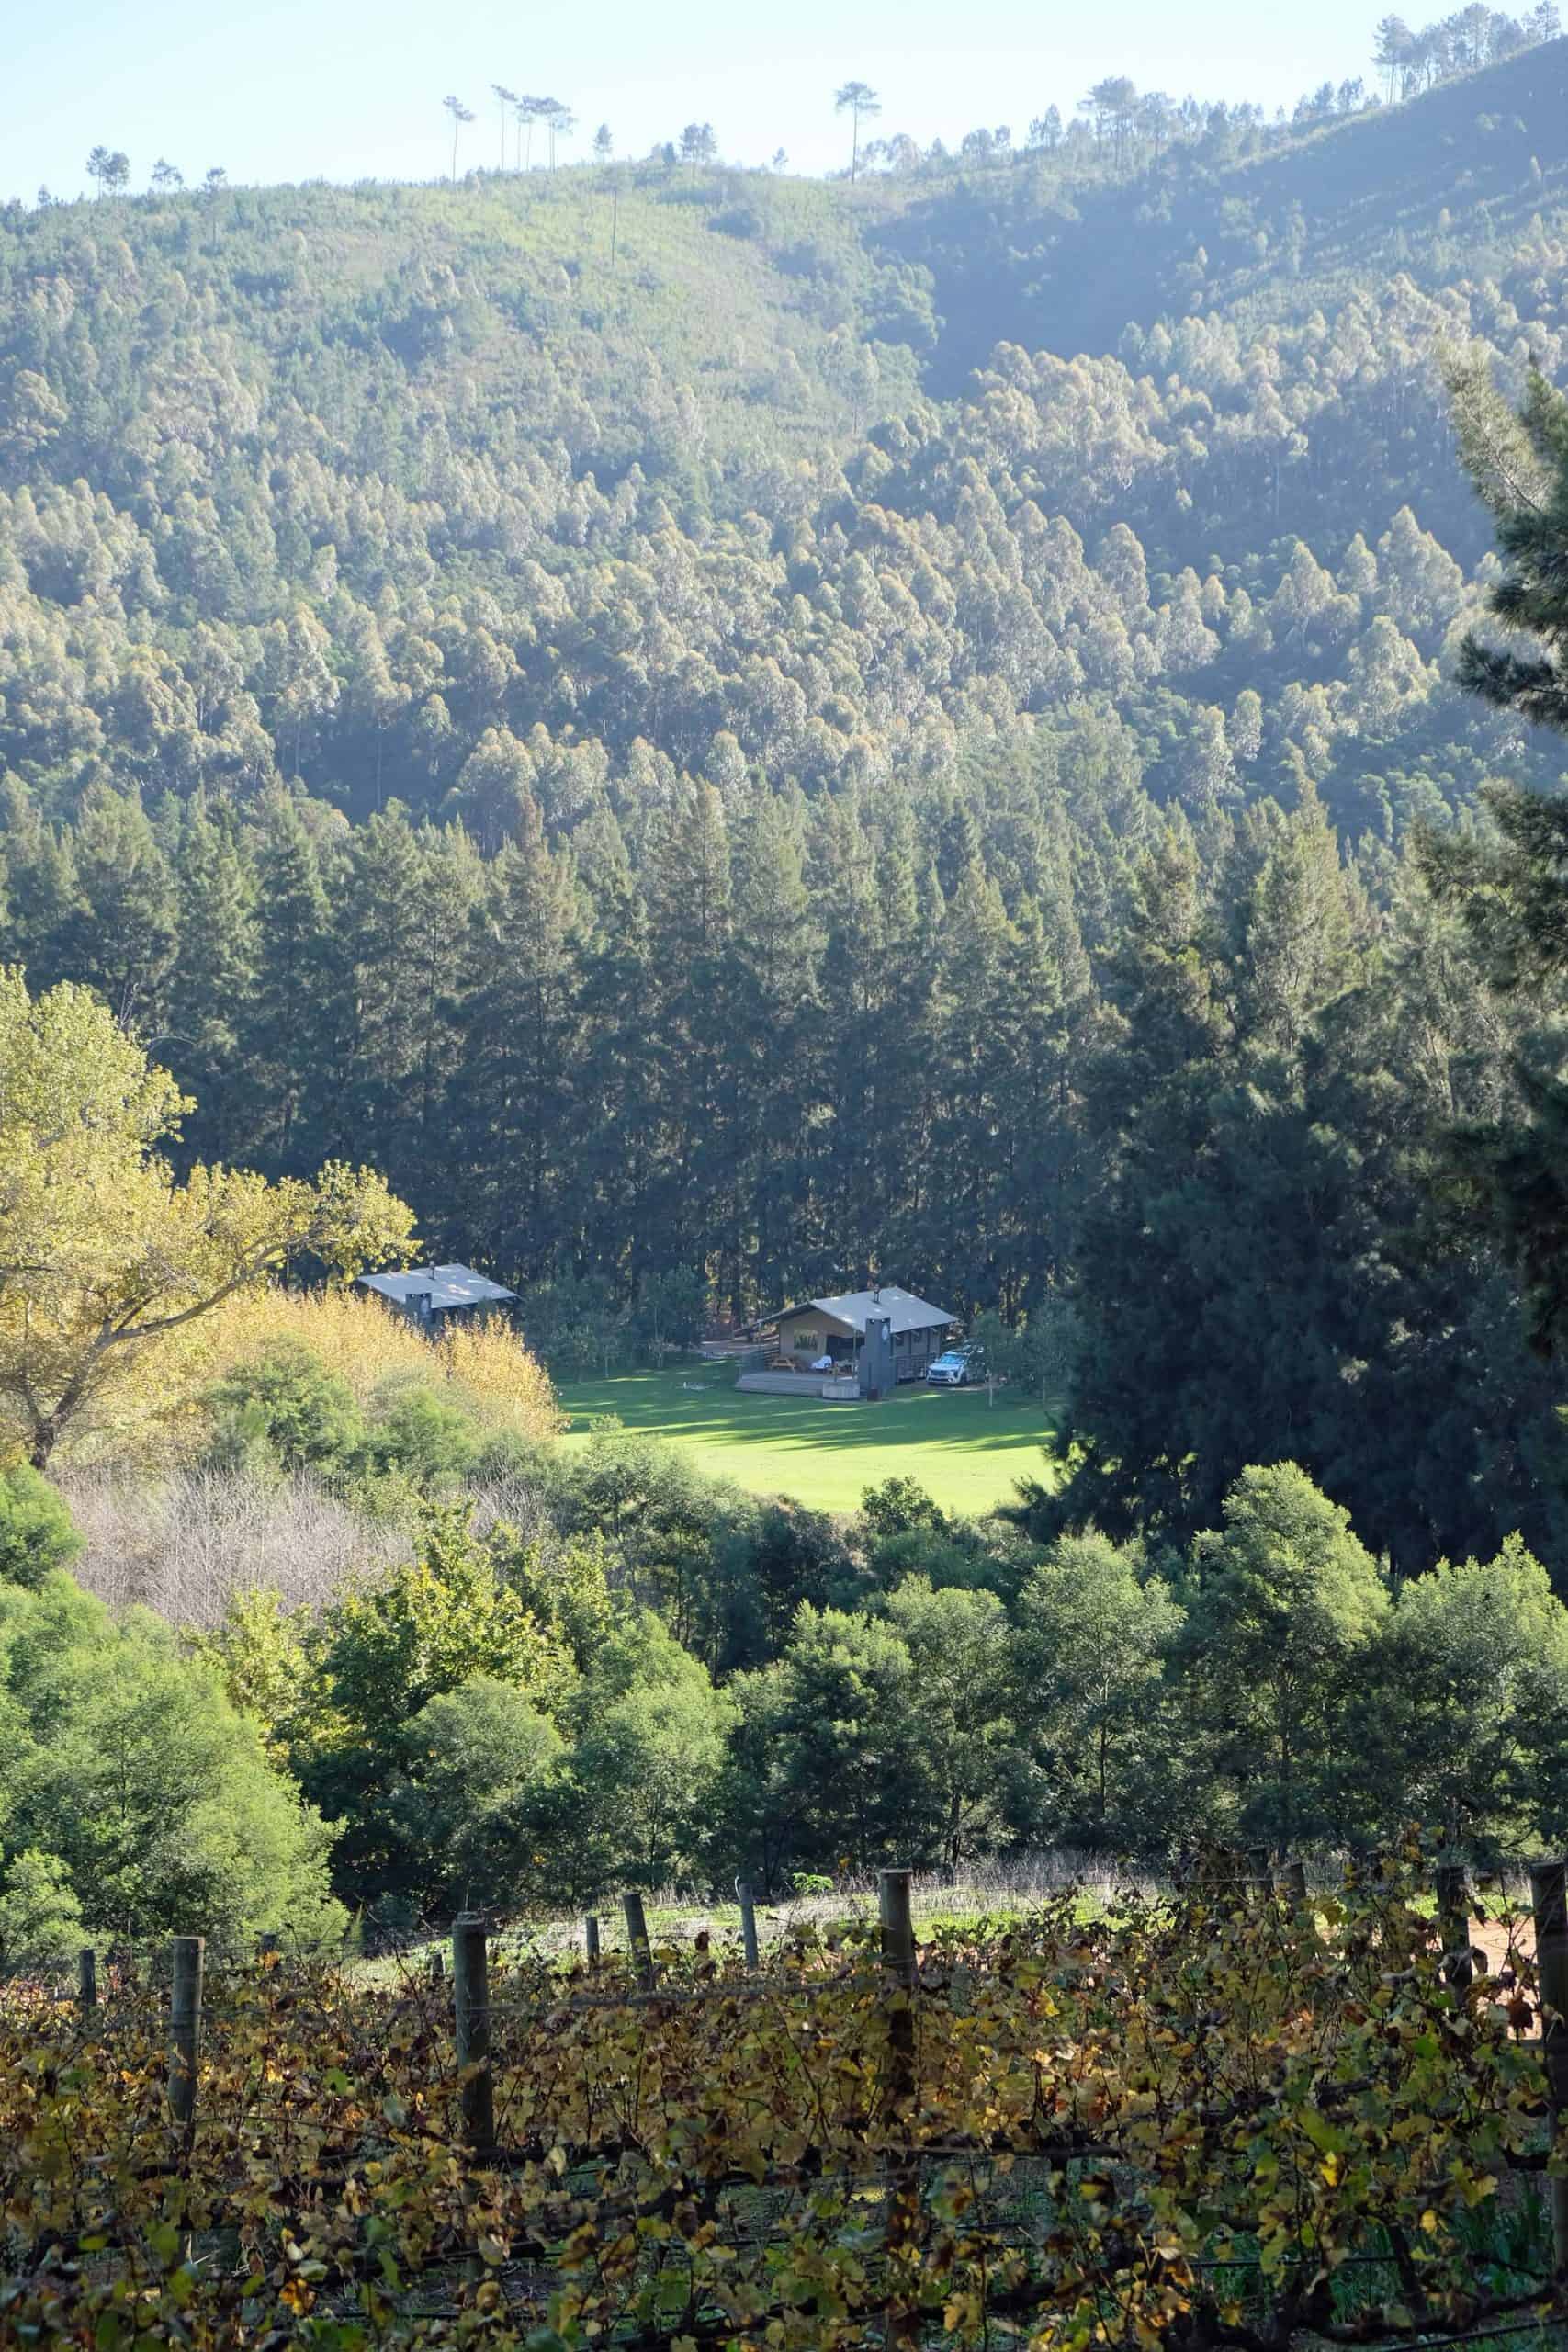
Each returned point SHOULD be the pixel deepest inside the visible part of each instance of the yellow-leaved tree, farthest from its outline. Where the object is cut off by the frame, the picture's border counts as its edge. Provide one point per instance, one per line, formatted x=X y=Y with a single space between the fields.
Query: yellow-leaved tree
x=105 y=1256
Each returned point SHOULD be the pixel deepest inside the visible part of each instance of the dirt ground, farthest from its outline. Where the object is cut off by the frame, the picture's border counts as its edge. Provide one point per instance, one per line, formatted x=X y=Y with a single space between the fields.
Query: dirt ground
x=1496 y=1940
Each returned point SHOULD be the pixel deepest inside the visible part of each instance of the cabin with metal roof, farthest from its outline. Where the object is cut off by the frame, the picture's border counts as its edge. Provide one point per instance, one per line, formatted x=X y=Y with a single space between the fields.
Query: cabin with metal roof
x=434 y=1295
x=824 y=1334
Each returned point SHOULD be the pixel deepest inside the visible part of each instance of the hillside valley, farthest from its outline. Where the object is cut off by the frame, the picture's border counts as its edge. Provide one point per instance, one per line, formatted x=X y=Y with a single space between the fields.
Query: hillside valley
x=784 y=1102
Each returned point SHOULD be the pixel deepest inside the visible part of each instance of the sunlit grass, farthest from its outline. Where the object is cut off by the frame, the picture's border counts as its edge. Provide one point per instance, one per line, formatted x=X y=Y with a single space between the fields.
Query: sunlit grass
x=965 y=1450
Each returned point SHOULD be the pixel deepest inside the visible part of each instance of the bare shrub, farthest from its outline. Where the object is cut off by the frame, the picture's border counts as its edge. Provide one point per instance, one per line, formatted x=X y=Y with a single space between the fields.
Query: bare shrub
x=183 y=1545
x=512 y=1498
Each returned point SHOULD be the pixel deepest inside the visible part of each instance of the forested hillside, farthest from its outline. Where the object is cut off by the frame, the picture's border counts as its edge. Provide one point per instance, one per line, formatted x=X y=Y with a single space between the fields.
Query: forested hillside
x=1459 y=186
x=420 y=492
x=603 y=694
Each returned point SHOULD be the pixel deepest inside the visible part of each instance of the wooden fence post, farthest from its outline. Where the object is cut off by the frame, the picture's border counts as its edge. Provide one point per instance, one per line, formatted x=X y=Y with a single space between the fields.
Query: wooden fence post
x=743 y=1895
x=1454 y=1924
x=87 y=1978
x=897 y=1919
x=590 y=1938
x=470 y=2001
x=1291 y=1883
x=1548 y=1901
x=185 y=2025
x=1261 y=1885
x=267 y=1944
x=438 y=1968
x=636 y=1937
x=895 y=1916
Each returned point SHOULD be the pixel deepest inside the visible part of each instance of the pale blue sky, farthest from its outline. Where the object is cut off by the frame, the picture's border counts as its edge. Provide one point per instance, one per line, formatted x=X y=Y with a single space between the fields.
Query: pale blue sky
x=340 y=89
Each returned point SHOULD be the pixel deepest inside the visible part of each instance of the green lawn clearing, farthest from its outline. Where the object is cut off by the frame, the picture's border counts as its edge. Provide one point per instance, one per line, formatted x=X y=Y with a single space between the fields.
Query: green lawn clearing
x=964 y=1450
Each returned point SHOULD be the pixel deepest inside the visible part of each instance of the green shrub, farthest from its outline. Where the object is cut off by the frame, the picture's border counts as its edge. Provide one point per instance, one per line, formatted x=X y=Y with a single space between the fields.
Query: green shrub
x=897 y=1504
x=40 y=1919
x=36 y=1529
x=476 y=1757
x=431 y=1442
x=286 y=1409
x=124 y=1760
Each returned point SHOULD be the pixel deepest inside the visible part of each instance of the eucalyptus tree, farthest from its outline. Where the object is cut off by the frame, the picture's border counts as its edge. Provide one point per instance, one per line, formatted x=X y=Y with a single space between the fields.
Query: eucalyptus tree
x=861 y=102
x=698 y=145
x=561 y=123
x=1394 y=43
x=505 y=98
x=214 y=180
x=460 y=114
x=1113 y=104
x=557 y=118
x=524 y=114
x=110 y=167
x=1156 y=115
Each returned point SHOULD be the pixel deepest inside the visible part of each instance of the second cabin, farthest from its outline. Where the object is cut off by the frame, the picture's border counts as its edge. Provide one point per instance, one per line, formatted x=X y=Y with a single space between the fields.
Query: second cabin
x=436 y=1296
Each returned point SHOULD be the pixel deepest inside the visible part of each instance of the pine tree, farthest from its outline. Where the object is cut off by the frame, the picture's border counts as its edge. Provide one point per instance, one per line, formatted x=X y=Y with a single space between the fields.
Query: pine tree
x=1513 y=893
x=1294 y=927
x=697 y=1110
x=772 y=985
x=292 y=1034
x=41 y=887
x=122 y=933
x=613 y=1143
x=849 y=1236
x=379 y=924
x=210 y=990
x=969 y=1081
x=1043 y=1015
x=450 y=886
x=510 y=1110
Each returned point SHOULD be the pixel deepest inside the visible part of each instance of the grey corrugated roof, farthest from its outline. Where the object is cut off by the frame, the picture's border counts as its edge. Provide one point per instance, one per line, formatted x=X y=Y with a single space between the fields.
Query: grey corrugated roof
x=446 y=1285
x=902 y=1308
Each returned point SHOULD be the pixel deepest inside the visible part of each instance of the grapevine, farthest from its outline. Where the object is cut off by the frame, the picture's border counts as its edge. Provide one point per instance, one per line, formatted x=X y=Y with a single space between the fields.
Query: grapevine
x=1211 y=2120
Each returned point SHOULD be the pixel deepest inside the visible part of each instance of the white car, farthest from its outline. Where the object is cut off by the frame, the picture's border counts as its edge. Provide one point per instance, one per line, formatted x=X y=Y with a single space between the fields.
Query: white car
x=949 y=1371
